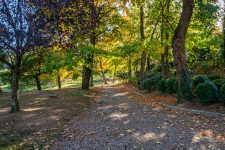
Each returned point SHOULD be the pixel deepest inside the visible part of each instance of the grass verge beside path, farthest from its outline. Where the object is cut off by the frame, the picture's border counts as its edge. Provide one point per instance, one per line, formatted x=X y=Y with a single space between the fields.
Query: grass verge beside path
x=42 y=118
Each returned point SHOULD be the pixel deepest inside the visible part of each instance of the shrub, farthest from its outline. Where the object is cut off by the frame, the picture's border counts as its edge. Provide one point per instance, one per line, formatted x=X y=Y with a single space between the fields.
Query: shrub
x=147 y=84
x=175 y=86
x=161 y=86
x=206 y=92
x=200 y=79
x=170 y=85
x=222 y=93
x=150 y=83
x=132 y=80
x=214 y=77
x=219 y=83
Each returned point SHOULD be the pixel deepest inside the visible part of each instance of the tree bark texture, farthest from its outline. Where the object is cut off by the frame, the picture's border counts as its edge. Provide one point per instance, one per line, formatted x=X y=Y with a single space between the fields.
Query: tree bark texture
x=38 y=83
x=178 y=44
x=129 y=67
x=15 y=87
x=59 y=82
x=143 y=56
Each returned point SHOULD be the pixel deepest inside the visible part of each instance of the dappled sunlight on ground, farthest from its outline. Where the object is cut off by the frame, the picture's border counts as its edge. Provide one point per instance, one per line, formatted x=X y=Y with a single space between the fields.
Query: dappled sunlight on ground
x=42 y=113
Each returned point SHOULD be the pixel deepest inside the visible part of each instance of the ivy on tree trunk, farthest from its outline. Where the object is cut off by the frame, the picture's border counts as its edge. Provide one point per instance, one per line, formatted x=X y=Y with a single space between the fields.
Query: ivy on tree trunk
x=178 y=44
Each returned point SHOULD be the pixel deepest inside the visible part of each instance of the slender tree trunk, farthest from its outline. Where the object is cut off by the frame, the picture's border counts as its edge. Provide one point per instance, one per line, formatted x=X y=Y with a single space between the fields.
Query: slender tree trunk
x=59 y=81
x=129 y=67
x=15 y=87
x=178 y=44
x=114 y=73
x=148 y=67
x=166 y=55
x=166 y=52
x=0 y=90
x=92 y=79
x=224 y=37
x=38 y=82
x=143 y=56
x=103 y=72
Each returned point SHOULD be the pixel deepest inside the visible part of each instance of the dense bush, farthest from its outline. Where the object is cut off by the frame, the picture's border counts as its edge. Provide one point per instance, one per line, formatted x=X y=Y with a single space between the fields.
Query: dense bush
x=206 y=92
x=200 y=79
x=122 y=75
x=161 y=86
x=147 y=84
x=170 y=85
x=219 y=82
x=222 y=93
x=214 y=77
x=151 y=83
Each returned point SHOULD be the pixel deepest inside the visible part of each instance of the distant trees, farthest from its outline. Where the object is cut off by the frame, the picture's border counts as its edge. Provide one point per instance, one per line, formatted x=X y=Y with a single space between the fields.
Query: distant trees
x=21 y=29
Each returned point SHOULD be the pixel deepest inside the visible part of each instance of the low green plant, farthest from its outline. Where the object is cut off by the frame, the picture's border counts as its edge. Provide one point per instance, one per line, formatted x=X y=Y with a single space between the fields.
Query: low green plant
x=161 y=86
x=219 y=82
x=150 y=83
x=147 y=84
x=170 y=85
x=200 y=79
x=206 y=93
x=214 y=77
x=222 y=93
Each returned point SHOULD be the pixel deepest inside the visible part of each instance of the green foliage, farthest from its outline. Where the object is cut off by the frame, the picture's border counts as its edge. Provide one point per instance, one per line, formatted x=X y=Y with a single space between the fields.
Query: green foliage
x=147 y=84
x=200 y=79
x=219 y=82
x=170 y=85
x=122 y=75
x=206 y=93
x=161 y=86
x=214 y=77
x=222 y=93
x=185 y=86
x=132 y=80
x=151 y=82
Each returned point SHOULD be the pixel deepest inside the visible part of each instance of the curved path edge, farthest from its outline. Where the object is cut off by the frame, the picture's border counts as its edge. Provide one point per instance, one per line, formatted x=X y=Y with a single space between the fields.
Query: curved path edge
x=198 y=112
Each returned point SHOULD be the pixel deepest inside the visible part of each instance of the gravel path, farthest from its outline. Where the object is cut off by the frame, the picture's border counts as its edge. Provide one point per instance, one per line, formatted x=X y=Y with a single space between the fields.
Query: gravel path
x=119 y=123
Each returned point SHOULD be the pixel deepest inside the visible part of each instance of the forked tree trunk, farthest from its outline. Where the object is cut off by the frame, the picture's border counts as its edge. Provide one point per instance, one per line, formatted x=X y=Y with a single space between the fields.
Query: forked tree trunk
x=143 y=56
x=38 y=82
x=15 y=87
x=59 y=82
x=178 y=44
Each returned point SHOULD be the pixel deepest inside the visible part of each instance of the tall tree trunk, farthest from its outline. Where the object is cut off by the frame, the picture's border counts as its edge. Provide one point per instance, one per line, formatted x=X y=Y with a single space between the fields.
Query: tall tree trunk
x=148 y=67
x=15 y=87
x=166 y=51
x=224 y=37
x=129 y=67
x=178 y=44
x=92 y=79
x=143 y=56
x=103 y=72
x=114 y=73
x=38 y=82
x=0 y=90
x=59 y=81
x=88 y=67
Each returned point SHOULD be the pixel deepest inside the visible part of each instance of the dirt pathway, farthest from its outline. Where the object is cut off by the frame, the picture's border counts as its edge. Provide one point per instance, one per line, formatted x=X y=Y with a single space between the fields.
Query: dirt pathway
x=119 y=123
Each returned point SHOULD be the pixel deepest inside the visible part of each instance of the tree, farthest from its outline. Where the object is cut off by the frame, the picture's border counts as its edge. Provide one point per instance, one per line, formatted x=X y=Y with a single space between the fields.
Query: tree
x=20 y=30
x=178 y=44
